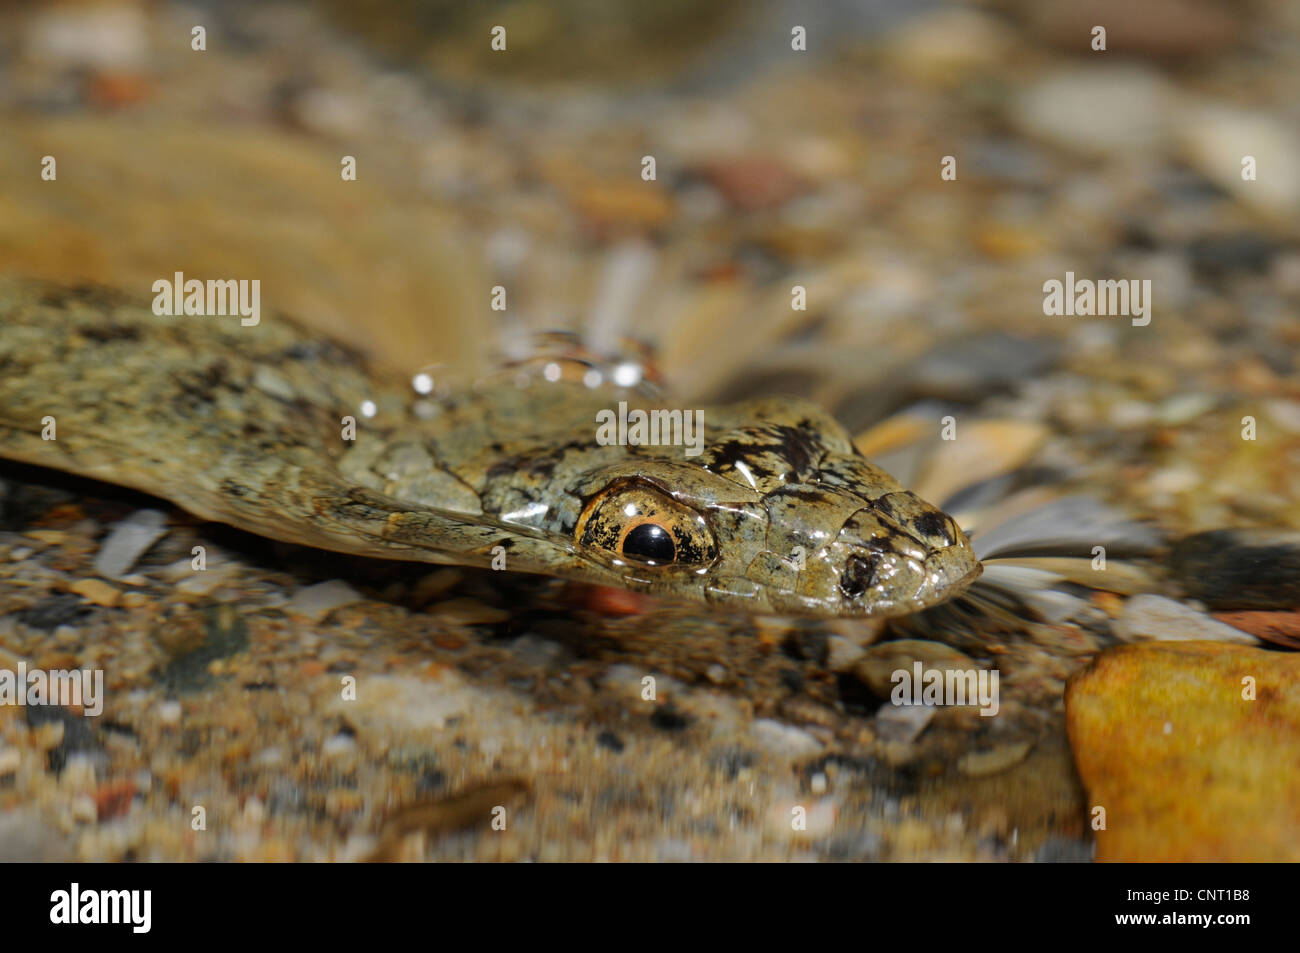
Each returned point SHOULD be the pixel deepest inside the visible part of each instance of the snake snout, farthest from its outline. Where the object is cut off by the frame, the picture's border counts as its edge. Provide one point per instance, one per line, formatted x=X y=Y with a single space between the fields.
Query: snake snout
x=902 y=556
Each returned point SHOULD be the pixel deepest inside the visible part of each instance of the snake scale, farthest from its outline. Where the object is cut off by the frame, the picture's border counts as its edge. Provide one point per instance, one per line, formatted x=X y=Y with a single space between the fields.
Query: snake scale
x=245 y=426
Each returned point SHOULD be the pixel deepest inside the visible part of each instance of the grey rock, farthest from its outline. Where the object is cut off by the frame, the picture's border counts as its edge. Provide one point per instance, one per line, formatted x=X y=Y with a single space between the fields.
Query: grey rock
x=129 y=540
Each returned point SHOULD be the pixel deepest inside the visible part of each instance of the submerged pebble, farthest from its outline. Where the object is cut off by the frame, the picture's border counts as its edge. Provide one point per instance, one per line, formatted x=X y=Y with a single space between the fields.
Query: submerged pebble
x=129 y=539
x=1156 y=618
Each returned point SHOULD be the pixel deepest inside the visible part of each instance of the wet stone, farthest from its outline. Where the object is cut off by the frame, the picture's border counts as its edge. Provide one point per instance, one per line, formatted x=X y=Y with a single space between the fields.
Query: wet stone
x=1154 y=617
x=1240 y=568
x=1187 y=747
x=128 y=541
x=316 y=602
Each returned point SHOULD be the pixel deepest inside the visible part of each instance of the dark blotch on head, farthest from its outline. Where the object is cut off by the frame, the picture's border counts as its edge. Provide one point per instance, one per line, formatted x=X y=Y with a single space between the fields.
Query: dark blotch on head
x=859 y=575
x=933 y=524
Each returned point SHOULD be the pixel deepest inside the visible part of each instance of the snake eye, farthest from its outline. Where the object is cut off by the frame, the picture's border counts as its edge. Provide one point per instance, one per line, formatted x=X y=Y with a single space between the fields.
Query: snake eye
x=642 y=524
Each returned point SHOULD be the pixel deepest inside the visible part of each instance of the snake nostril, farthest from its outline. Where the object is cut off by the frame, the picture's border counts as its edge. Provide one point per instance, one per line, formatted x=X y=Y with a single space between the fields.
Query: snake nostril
x=859 y=575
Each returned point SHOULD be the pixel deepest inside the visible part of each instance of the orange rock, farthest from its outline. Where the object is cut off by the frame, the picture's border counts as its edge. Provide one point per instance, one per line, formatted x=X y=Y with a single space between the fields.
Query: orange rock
x=63 y=515
x=113 y=799
x=1109 y=603
x=610 y=206
x=754 y=182
x=118 y=89
x=1191 y=748
x=1280 y=628
x=452 y=641
x=96 y=591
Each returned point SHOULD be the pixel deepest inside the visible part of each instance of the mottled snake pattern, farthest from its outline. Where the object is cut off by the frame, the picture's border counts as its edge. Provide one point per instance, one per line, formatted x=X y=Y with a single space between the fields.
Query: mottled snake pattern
x=245 y=426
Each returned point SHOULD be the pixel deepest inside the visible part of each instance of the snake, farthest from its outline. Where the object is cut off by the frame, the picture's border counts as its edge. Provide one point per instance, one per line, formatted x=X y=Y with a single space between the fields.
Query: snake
x=292 y=436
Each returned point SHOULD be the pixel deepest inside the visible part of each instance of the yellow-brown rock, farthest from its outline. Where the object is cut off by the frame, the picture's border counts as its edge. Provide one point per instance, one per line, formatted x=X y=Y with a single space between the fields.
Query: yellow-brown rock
x=1192 y=749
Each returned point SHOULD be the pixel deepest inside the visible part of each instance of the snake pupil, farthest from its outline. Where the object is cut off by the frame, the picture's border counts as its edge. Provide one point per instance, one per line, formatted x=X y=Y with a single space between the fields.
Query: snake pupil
x=651 y=543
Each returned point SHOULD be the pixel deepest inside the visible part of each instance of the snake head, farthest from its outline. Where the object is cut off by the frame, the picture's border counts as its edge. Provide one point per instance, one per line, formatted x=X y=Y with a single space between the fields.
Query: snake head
x=780 y=514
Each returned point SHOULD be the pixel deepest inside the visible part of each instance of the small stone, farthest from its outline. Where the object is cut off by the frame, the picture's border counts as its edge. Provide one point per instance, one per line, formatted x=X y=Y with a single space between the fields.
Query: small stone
x=316 y=602
x=169 y=712
x=1097 y=109
x=468 y=612
x=782 y=739
x=753 y=182
x=202 y=582
x=84 y=810
x=1183 y=409
x=108 y=36
x=254 y=811
x=979 y=764
x=129 y=539
x=330 y=112
x=340 y=744
x=435 y=584
x=80 y=769
x=1214 y=139
x=114 y=799
x=947 y=47
x=613 y=206
x=50 y=537
x=1286 y=413
x=902 y=724
x=842 y=653
x=1149 y=616
x=881 y=661
x=96 y=591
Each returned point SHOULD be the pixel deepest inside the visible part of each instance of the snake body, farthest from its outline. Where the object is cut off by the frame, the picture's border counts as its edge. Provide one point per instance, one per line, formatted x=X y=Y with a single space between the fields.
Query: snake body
x=246 y=426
